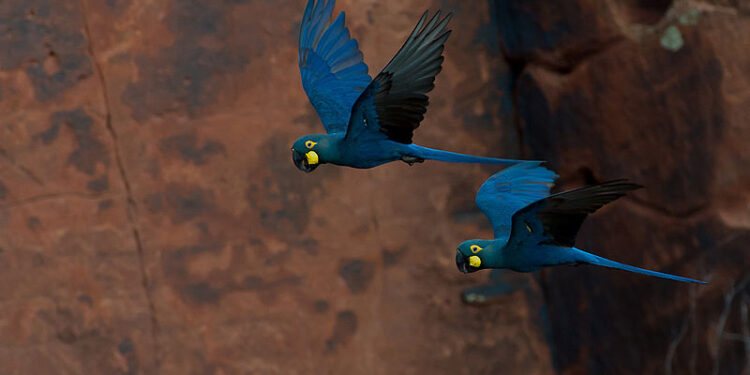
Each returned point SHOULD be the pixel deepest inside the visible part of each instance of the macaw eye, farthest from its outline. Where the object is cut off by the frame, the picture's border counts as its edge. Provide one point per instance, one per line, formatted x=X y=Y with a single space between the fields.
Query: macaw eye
x=475 y=248
x=310 y=144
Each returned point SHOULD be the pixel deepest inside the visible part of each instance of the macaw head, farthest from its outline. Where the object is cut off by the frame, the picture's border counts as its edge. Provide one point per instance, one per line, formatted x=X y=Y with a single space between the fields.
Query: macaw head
x=471 y=255
x=307 y=151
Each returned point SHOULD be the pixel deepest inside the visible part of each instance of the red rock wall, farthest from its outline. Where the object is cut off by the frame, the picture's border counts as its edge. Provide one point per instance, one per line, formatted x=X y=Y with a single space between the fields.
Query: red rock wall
x=151 y=221
x=656 y=93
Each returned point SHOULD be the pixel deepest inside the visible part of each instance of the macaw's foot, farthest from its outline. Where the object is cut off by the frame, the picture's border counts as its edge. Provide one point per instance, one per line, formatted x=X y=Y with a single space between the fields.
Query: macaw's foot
x=408 y=159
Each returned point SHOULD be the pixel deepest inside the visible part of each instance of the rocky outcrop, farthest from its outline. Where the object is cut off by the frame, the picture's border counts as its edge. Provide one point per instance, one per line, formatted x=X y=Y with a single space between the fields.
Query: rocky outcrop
x=658 y=98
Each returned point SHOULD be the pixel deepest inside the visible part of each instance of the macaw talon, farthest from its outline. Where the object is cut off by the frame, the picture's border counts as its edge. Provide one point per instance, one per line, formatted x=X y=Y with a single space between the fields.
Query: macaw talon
x=408 y=159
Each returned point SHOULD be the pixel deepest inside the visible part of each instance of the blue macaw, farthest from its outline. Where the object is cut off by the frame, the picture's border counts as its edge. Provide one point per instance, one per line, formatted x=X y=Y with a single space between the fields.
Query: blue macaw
x=533 y=229
x=368 y=122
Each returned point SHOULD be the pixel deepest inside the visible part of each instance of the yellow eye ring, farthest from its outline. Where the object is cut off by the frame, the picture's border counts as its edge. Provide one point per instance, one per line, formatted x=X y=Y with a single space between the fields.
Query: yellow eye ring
x=475 y=248
x=310 y=144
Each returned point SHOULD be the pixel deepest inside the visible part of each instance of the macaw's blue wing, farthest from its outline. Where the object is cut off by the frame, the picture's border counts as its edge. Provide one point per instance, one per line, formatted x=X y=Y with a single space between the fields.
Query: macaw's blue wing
x=511 y=190
x=395 y=102
x=331 y=66
x=556 y=219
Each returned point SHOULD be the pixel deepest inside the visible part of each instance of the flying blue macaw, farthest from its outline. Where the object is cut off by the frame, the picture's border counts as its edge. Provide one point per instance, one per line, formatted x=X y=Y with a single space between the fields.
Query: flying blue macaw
x=533 y=229
x=368 y=122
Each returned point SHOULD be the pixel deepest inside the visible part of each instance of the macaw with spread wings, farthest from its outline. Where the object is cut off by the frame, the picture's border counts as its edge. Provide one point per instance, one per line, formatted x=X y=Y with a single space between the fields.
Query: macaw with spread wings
x=533 y=229
x=368 y=122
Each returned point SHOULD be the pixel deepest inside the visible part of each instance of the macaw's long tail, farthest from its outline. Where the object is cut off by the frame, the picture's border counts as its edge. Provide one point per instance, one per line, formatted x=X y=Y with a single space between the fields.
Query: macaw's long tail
x=581 y=256
x=432 y=154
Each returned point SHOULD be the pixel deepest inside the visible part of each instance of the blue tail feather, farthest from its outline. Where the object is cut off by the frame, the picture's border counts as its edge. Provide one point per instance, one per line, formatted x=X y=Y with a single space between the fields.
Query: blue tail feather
x=585 y=257
x=432 y=154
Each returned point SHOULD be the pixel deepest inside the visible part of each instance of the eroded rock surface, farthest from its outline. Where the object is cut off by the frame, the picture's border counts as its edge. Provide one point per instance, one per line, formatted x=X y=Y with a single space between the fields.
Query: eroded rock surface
x=662 y=106
x=151 y=221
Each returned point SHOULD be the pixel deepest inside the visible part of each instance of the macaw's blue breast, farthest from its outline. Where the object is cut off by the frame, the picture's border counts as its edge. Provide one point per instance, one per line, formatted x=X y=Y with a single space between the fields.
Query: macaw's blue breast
x=533 y=258
x=368 y=153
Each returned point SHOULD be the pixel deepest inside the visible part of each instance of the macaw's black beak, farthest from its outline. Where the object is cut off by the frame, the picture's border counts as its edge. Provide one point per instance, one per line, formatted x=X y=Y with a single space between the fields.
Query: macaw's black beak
x=300 y=160
x=461 y=262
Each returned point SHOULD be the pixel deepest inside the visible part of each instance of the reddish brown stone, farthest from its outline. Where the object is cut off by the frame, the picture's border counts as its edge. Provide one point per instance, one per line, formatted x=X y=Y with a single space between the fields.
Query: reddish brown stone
x=664 y=109
x=151 y=220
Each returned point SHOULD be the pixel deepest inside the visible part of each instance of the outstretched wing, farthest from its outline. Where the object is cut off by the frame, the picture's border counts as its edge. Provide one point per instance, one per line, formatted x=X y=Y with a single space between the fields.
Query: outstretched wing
x=396 y=100
x=555 y=220
x=510 y=190
x=333 y=74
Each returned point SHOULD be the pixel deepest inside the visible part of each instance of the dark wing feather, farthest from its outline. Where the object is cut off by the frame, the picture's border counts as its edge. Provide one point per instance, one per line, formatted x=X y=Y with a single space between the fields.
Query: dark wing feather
x=556 y=219
x=331 y=66
x=399 y=92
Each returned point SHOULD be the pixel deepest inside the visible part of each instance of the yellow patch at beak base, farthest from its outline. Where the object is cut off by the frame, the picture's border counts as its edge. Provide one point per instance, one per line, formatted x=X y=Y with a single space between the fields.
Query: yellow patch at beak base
x=312 y=157
x=474 y=261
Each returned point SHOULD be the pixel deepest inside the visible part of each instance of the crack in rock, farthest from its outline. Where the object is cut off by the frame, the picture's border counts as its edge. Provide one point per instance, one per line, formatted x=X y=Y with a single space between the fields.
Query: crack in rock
x=132 y=210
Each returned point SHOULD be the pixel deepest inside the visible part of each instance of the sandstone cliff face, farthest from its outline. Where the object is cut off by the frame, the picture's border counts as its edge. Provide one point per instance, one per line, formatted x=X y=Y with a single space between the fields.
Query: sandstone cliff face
x=665 y=104
x=151 y=221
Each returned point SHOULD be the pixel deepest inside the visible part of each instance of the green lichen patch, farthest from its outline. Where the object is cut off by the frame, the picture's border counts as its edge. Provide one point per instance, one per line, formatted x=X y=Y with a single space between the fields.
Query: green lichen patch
x=672 y=40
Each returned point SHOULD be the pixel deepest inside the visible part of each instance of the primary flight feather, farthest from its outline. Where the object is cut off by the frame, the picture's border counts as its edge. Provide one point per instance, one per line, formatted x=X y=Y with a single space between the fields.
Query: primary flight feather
x=533 y=229
x=368 y=122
